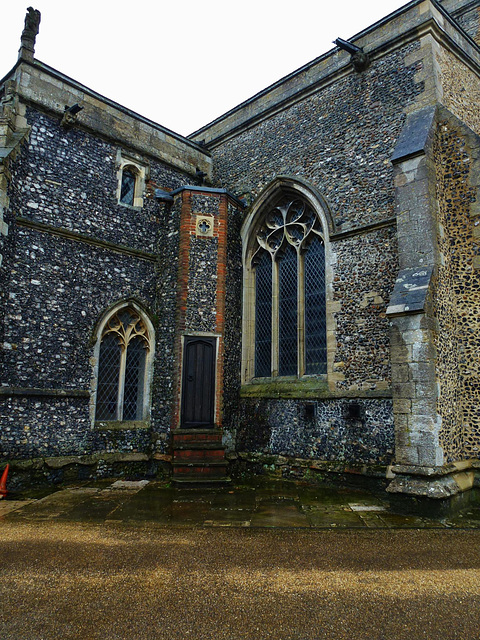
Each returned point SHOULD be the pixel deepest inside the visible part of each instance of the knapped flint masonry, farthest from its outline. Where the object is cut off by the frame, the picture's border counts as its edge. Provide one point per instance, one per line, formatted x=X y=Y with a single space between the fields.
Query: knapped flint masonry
x=294 y=286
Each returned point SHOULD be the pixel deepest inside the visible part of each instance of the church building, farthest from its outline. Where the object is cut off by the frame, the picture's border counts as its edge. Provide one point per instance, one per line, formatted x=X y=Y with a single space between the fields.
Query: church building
x=294 y=288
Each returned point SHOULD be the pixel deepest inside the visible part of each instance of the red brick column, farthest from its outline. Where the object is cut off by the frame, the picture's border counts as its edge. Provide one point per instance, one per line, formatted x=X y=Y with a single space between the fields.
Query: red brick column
x=221 y=232
x=182 y=296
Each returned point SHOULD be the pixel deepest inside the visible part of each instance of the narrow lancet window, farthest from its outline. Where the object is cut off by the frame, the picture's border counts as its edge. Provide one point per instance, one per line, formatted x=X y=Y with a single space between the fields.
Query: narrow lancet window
x=288 y=313
x=127 y=191
x=263 y=316
x=315 y=322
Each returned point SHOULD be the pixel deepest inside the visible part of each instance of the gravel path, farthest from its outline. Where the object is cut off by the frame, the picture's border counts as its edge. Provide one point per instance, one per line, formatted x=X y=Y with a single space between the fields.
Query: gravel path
x=89 y=581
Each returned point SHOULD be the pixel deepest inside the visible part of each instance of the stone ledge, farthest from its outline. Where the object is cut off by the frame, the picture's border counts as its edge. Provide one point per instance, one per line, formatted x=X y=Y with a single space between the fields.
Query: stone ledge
x=58 y=462
x=445 y=470
x=121 y=425
x=435 y=482
x=81 y=237
x=309 y=465
x=309 y=389
x=55 y=393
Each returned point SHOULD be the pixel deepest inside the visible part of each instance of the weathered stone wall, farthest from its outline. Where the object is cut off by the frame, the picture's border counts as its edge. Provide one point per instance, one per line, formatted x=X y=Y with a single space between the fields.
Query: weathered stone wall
x=470 y=22
x=340 y=140
x=359 y=431
x=460 y=88
x=201 y=311
x=364 y=276
x=457 y=297
x=233 y=326
x=72 y=252
x=165 y=314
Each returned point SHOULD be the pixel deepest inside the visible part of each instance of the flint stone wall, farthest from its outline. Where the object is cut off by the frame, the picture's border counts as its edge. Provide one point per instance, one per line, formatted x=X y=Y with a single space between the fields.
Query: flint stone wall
x=457 y=297
x=340 y=140
x=359 y=431
x=73 y=252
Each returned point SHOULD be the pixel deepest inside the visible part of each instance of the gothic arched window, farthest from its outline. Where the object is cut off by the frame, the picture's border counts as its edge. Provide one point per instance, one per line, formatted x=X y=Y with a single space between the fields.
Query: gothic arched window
x=286 y=262
x=125 y=345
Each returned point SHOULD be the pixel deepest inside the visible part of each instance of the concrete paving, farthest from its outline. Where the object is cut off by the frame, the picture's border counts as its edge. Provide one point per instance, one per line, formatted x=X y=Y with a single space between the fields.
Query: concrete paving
x=126 y=561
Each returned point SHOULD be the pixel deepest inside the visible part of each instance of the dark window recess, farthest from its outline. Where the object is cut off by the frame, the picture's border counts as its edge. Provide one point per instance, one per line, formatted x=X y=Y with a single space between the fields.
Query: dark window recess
x=127 y=191
x=288 y=345
x=263 y=317
x=134 y=379
x=315 y=322
x=108 y=374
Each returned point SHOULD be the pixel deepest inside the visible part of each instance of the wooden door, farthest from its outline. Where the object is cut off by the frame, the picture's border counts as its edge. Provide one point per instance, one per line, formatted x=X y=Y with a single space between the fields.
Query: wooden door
x=198 y=383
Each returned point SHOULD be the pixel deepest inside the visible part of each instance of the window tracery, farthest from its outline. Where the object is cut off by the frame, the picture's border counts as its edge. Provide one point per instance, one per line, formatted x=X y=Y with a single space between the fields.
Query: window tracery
x=287 y=262
x=122 y=367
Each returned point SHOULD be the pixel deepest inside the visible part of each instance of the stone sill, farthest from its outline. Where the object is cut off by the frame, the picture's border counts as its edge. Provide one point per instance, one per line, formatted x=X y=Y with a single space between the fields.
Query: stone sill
x=314 y=388
x=119 y=425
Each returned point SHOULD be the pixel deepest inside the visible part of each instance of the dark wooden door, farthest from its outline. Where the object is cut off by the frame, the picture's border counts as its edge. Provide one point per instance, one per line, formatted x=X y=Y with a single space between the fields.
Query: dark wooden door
x=198 y=384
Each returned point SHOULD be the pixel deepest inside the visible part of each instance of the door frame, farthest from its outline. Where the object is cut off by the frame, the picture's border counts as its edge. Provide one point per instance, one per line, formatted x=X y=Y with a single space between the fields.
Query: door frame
x=199 y=335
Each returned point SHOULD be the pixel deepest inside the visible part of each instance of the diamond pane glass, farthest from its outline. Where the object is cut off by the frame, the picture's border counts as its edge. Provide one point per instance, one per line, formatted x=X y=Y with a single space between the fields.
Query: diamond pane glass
x=287 y=365
x=315 y=321
x=134 y=379
x=127 y=191
x=263 y=317
x=108 y=372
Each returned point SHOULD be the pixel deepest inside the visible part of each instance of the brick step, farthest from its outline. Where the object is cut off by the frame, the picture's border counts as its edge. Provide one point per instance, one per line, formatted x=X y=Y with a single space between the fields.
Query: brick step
x=185 y=436
x=182 y=446
x=199 y=454
x=198 y=470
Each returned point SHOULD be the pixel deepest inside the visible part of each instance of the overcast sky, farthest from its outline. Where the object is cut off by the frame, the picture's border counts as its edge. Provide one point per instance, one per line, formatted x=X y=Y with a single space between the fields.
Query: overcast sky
x=184 y=63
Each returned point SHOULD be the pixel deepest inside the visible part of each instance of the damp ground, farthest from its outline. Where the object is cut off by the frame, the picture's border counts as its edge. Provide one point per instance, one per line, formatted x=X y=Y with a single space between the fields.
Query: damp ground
x=256 y=502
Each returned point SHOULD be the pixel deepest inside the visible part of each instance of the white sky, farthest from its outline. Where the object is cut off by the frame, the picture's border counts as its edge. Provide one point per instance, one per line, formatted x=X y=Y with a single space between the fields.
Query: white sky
x=183 y=63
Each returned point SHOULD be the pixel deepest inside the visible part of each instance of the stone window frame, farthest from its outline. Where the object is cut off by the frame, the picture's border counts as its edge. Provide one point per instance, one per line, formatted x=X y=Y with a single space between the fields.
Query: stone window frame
x=281 y=187
x=140 y=170
x=148 y=376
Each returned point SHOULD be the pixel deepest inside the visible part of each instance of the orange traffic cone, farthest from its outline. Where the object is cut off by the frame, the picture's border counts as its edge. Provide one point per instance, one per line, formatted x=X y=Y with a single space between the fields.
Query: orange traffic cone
x=3 y=483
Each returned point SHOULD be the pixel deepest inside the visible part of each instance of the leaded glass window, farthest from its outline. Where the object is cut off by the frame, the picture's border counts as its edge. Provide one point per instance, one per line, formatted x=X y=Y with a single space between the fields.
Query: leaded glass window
x=263 y=316
x=127 y=190
x=287 y=316
x=315 y=321
x=288 y=263
x=122 y=367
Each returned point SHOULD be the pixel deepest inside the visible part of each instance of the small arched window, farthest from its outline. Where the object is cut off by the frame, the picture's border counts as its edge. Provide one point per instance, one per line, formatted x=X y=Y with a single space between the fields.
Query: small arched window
x=123 y=360
x=127 y=189
x=286 y=262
